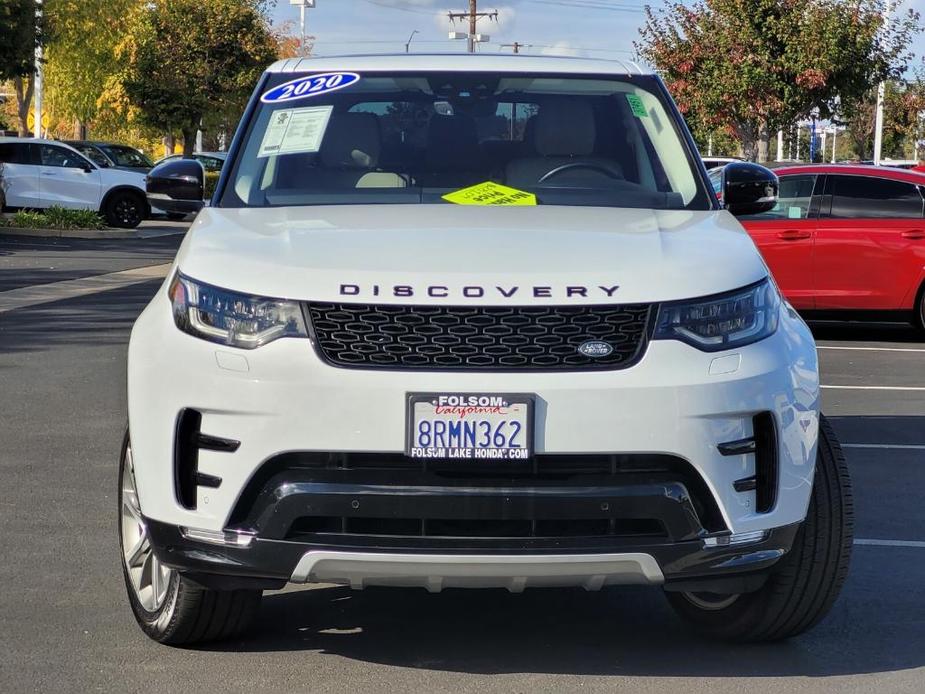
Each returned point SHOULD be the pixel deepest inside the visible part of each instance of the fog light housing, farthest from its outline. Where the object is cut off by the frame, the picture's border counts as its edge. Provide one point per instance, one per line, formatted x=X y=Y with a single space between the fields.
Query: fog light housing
x=225 y=538
x=736 y=539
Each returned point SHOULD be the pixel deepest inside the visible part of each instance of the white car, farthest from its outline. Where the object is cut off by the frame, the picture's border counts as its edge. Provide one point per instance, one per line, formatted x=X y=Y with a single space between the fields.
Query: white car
x=37 y=174
x=474 y=321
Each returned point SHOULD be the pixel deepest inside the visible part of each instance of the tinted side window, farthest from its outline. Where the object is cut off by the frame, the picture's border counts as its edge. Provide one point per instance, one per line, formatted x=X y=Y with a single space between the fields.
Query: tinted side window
x=58 y=156
x=793 y=199
x=863 y=197
x=93 y=153
x=14 y=153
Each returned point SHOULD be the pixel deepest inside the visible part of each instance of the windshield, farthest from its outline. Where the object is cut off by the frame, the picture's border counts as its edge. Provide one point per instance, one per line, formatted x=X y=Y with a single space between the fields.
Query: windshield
x=91 y=152
x=463 y=138
x=127 y=156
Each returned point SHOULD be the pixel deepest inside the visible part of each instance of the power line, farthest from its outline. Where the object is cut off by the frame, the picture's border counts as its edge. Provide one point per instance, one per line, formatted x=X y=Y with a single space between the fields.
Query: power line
x=391 y=6
x=591 y=5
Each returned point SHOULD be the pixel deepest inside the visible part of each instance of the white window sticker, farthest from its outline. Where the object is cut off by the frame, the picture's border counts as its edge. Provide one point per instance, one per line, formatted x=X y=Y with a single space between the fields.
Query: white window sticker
x=295 y=130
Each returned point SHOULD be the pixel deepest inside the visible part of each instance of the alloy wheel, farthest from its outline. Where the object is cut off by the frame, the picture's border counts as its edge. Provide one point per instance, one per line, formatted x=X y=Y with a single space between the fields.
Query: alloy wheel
x=127 y=211
x=149 y=578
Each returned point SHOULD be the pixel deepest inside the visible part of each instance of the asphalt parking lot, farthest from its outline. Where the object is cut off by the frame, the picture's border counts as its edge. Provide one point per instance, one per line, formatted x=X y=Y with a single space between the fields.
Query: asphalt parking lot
x=65 y=624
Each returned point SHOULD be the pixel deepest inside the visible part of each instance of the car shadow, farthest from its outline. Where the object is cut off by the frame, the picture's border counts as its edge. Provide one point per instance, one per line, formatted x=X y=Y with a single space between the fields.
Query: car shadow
x=857 y=331
x=619 y=631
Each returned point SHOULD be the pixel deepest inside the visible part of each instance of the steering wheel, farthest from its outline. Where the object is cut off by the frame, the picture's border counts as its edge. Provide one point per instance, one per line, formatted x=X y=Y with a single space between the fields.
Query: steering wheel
x=599 y=168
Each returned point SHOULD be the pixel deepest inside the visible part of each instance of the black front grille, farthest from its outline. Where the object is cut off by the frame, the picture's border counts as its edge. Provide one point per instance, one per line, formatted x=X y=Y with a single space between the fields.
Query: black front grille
x=478 y=338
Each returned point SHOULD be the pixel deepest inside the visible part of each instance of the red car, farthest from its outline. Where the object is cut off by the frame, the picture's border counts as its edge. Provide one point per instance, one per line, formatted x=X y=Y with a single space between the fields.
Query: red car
x=848 y=239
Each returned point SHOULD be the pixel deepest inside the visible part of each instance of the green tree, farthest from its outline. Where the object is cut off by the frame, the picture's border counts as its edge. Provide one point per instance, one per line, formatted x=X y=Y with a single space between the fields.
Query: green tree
x=81 y=58
x=759 y=65
x=903 y=106
x=17 y=40
x=190 y=63
x=19 y=37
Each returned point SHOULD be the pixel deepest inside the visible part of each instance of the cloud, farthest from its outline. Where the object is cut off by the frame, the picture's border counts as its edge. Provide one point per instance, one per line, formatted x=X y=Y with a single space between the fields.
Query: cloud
x=562 y=48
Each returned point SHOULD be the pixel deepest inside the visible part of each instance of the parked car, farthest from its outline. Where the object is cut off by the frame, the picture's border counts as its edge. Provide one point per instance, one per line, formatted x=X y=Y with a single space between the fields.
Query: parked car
x=211 y=161
x=390 y=366
x=847 y=240
x=111 y=155
x=714 y=162
x=37 y=174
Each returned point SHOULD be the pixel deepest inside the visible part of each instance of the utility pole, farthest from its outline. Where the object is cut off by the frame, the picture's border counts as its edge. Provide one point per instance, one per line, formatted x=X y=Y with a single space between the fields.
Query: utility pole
x=473 y=15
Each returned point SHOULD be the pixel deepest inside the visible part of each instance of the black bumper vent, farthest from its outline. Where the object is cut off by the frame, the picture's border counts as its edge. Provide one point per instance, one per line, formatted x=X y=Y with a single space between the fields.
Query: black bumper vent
x=478 y=338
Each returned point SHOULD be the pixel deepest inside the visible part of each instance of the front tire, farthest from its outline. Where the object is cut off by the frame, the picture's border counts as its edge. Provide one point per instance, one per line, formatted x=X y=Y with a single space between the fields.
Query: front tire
x=920 y=309
x=125 y=209
x=806 y=581
x=168 y=607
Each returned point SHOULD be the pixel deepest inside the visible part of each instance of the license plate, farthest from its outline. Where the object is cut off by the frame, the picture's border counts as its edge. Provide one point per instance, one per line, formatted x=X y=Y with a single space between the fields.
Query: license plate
x=470 y=426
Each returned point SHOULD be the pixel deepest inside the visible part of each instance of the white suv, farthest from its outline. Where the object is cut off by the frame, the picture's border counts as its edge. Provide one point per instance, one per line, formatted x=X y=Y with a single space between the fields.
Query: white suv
x=36 y=174
x=471 y=321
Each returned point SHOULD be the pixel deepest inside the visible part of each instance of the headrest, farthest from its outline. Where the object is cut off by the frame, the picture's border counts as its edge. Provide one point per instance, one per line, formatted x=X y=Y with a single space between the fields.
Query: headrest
x=352 y=141
x=453 y=144
x=565 y=128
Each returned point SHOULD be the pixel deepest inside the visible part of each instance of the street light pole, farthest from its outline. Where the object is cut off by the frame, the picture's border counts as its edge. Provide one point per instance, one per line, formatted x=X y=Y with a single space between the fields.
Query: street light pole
x=410 y=39
x=303 y=5
x=881 y=92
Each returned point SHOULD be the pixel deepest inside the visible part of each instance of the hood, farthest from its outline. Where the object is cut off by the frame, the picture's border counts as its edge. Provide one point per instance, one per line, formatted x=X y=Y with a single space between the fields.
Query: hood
x=447 y=254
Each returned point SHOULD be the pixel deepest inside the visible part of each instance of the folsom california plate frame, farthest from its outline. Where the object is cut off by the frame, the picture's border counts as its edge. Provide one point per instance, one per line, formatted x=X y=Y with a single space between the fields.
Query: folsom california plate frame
x=528 y=399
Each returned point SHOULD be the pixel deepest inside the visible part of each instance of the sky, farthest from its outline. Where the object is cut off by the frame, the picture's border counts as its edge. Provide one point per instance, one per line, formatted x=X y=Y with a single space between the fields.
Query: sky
x=586 y=28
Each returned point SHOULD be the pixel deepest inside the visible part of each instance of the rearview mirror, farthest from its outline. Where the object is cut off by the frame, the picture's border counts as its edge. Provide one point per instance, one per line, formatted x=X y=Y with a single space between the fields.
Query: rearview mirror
x=176 y=186
x=749 y=188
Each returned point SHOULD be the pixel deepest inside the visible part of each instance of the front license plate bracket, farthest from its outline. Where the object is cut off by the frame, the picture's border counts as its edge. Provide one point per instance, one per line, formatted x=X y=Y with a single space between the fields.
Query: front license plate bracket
x=469 y=426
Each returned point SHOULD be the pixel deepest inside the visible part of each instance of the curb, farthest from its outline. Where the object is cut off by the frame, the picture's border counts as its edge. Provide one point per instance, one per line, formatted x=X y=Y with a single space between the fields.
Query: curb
x=70 y=233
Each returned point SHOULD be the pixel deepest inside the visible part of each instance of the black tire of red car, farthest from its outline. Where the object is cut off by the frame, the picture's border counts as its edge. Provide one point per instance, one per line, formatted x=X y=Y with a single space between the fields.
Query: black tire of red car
x=125 y=209
x=190 y=613
x=805 y=583
x=920 y=308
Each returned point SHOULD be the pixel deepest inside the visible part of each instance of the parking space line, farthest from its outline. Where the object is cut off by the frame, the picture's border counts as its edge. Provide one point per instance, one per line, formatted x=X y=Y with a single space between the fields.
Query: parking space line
x=913 y=388
x=25 y=297
x=890 y=543
x=900 y=446
x=870 y=349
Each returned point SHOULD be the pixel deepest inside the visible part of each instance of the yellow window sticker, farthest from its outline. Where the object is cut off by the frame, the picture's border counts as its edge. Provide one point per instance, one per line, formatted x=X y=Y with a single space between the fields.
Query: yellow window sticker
x=490 y=193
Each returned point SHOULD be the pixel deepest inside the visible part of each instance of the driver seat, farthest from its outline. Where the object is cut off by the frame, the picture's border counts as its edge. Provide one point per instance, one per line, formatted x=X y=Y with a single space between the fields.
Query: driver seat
x=564 y=133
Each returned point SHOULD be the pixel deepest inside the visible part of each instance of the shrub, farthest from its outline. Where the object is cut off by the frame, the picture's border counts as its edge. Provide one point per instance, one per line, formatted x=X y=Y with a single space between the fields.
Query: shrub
x=211 y=180
x=57 y=218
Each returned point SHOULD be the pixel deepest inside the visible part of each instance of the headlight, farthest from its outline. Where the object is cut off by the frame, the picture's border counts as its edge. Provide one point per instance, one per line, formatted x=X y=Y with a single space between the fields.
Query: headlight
x=723 y=321
x=230 y=318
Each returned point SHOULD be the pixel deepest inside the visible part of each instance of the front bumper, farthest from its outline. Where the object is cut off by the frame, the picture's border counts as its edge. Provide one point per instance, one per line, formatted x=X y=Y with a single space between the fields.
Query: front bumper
x=281 y=400
x=270 y=564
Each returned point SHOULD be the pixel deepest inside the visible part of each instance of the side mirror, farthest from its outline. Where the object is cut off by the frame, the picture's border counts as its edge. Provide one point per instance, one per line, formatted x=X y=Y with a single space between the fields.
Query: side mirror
x=176 y=186
x=87 y=168
x=749 y=188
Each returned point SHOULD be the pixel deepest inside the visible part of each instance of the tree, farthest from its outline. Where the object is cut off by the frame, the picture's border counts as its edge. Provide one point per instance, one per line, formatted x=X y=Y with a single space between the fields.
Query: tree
x=81 y=58
x=903 y=106
x=18 y=40
x=190 y=63
x=759 y=65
